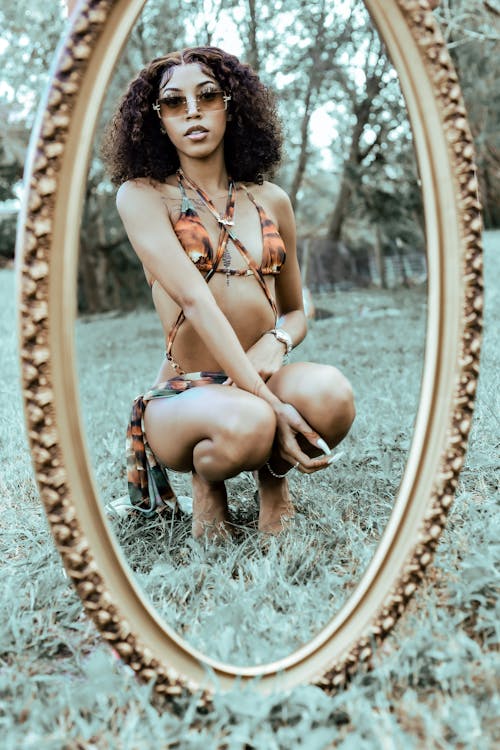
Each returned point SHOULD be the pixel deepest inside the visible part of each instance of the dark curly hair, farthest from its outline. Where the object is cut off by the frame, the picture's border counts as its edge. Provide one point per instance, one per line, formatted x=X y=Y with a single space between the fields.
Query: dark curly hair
x=134 y=145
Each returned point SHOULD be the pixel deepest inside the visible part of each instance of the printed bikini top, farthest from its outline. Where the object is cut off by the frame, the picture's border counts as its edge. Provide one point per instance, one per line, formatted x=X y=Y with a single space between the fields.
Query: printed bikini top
x=196 y=242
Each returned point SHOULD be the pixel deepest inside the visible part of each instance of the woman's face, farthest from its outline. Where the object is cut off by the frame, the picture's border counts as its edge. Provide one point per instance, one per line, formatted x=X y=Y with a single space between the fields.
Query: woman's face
x=191 y=111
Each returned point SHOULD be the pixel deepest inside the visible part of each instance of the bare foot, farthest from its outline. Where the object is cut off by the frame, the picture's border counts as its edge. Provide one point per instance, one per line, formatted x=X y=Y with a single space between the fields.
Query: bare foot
x=276 y=507
x=210 y=511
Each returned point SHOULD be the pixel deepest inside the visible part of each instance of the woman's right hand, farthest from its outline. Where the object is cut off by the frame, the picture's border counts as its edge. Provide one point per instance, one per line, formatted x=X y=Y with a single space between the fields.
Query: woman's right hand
x=290 y=425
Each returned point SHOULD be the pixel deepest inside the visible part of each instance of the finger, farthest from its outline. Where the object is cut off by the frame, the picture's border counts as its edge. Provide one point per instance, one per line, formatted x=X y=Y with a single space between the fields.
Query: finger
x=293 y=453
x=321 y=463
x=228 y=381
x=309 y=462
x=312 y=437
x=300 y=425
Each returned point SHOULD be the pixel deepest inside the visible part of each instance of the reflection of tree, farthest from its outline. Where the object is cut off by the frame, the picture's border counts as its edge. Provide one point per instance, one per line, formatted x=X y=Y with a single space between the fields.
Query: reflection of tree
x=373 y=155
x=323 y=59
x=363 y=110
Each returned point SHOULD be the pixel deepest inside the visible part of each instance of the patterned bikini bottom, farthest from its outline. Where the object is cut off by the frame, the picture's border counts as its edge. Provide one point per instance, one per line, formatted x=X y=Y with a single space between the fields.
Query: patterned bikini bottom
x=149 y=488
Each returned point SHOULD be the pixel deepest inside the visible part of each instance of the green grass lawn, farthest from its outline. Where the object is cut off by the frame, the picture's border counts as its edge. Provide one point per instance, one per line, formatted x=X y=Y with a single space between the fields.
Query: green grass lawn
x=435 y=680
x=296 y=583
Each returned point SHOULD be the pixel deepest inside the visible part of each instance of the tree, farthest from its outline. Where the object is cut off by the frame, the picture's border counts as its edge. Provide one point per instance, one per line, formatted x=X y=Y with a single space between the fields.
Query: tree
x=472 y=31
x=327 y=66
x=25 y=60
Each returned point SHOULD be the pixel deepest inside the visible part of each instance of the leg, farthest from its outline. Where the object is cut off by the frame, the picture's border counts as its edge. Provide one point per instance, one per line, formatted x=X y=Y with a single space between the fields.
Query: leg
x=216 y=432
x=323 y=396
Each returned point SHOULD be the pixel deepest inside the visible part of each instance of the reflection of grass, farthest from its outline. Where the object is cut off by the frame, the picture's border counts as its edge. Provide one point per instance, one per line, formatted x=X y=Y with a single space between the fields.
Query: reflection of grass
x=376 y=338
x=434 y=683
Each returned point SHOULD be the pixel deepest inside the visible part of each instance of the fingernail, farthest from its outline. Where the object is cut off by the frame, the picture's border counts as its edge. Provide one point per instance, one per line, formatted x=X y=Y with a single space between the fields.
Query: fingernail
x=322 y=445
x=335 y=458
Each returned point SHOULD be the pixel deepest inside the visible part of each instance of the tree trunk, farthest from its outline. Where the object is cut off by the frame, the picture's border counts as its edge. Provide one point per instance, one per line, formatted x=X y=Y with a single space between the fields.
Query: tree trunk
x=354 y=159
x=340 y=210
x=252 y=50
x=304 y=264
x=302 y=160
x=88 y=287
x=314 y=81
x=379 y=257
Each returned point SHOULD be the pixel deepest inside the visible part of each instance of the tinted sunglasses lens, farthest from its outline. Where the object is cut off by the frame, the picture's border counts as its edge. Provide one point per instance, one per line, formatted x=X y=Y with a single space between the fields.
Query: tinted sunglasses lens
x=211 y=100
x=174 y=106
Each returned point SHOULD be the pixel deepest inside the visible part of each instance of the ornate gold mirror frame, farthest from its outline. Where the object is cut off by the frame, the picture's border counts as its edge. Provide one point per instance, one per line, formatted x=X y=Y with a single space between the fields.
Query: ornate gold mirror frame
x=47 y=273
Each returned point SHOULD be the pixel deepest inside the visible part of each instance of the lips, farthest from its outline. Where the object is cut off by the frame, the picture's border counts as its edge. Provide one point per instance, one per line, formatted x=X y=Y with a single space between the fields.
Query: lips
x=196 y=130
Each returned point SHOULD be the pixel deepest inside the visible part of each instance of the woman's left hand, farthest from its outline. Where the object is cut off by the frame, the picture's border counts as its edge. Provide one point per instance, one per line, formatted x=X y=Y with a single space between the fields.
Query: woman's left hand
x=266 y=355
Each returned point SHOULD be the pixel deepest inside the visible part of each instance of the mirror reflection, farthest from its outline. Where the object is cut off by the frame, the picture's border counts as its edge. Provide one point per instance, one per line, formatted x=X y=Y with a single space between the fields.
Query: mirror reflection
x=249 y=581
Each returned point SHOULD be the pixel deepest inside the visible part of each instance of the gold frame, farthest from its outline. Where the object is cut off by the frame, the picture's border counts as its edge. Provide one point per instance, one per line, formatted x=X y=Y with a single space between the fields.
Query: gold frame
x=47 y=271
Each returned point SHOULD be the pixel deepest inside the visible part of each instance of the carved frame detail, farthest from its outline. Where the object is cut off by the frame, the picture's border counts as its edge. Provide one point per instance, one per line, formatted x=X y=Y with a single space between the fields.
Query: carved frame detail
x=47 y=263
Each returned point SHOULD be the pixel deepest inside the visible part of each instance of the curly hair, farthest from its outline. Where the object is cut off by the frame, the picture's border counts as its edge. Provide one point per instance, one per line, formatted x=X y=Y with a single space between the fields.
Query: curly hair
x=134 y=145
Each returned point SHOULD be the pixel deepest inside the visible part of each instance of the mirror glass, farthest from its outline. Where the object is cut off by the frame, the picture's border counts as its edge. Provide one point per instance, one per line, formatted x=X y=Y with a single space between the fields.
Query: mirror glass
x=350 y=171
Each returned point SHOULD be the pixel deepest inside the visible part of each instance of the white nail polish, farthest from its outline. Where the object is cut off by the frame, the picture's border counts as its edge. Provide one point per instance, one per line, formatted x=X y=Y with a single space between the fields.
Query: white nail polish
x=322 y=445
x=335 y=458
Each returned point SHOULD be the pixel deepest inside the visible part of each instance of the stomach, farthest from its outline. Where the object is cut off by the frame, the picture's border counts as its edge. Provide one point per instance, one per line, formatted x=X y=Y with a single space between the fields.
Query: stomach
x=244 y=304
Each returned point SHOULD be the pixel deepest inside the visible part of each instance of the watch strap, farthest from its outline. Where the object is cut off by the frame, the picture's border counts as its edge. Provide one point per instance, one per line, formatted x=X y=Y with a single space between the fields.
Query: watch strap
x=284 y=337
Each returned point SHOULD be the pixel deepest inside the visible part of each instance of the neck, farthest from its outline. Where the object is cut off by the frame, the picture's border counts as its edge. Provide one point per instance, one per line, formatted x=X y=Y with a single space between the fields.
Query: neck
x=209 y=174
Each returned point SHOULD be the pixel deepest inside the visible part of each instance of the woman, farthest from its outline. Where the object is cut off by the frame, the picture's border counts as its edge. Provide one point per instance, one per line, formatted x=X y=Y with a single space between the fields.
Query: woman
x=189 y=146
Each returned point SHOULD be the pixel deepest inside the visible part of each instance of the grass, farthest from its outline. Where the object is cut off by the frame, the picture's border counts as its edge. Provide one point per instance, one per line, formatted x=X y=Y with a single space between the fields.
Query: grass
x=210 y=593
x=435 y=682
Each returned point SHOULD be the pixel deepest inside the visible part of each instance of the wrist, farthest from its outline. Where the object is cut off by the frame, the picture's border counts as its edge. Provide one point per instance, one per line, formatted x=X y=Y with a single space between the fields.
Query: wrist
x=267 y=395
x=283 y=337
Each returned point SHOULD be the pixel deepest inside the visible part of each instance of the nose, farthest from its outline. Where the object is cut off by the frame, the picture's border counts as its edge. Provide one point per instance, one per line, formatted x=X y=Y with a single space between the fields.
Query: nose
x=192 y=106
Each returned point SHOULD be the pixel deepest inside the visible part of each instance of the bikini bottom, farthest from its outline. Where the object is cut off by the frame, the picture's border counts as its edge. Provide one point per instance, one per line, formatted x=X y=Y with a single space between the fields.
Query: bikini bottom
x=149 y=488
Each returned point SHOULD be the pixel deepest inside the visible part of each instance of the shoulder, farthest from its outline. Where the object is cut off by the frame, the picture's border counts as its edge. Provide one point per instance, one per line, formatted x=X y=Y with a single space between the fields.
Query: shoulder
x=273 y=196
x=132 y=192
x=142 y=194
x=268 y=190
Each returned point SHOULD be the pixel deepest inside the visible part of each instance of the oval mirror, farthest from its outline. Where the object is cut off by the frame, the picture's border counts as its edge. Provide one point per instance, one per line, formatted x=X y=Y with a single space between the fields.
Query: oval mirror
x=351 y=174
x=377 y=585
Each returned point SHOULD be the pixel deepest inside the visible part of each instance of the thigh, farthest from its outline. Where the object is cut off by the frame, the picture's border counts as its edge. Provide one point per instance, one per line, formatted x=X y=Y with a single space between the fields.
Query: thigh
x=320 y=393
x=175 y=425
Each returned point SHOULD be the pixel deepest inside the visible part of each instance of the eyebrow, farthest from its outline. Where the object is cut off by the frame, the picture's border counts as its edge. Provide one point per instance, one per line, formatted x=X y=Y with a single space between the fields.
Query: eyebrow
x=198 y=85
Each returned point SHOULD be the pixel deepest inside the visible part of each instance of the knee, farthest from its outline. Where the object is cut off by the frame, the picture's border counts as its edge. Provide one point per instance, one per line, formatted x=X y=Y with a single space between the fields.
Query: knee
x=344 y=397
x=248 y=433
x=336 y=397
x=242 y=441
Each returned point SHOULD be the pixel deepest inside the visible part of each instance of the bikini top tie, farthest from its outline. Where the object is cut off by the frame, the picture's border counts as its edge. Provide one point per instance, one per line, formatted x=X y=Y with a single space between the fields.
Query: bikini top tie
x=196 y=242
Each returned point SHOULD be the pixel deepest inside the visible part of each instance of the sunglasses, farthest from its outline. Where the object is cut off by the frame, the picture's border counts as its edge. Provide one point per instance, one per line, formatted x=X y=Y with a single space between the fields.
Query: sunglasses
x=207 y=101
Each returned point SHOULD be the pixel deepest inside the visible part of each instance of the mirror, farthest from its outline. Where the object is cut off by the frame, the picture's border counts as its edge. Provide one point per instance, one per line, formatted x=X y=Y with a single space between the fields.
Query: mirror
x=389 y=574
x=353 y=180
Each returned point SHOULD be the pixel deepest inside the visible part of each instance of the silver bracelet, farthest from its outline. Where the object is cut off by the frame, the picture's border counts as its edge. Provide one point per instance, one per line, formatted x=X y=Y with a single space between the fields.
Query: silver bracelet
x=284 y=337
x=280 y=476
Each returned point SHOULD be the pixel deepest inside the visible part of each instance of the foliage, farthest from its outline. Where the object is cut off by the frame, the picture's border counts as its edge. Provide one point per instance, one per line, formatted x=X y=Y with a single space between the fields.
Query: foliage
x=347 y=133
x=30 y=33
x=434 y=685
x=349 y=163
x=472 y=31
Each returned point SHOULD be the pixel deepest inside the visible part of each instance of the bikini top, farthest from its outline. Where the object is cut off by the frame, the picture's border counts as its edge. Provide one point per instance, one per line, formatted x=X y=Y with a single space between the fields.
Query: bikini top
x=196 y=242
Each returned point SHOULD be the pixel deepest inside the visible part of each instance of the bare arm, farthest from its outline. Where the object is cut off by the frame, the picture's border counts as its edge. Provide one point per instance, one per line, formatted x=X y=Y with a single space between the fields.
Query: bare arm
x=267 y=353
x=147 y=224
x=288 y=283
